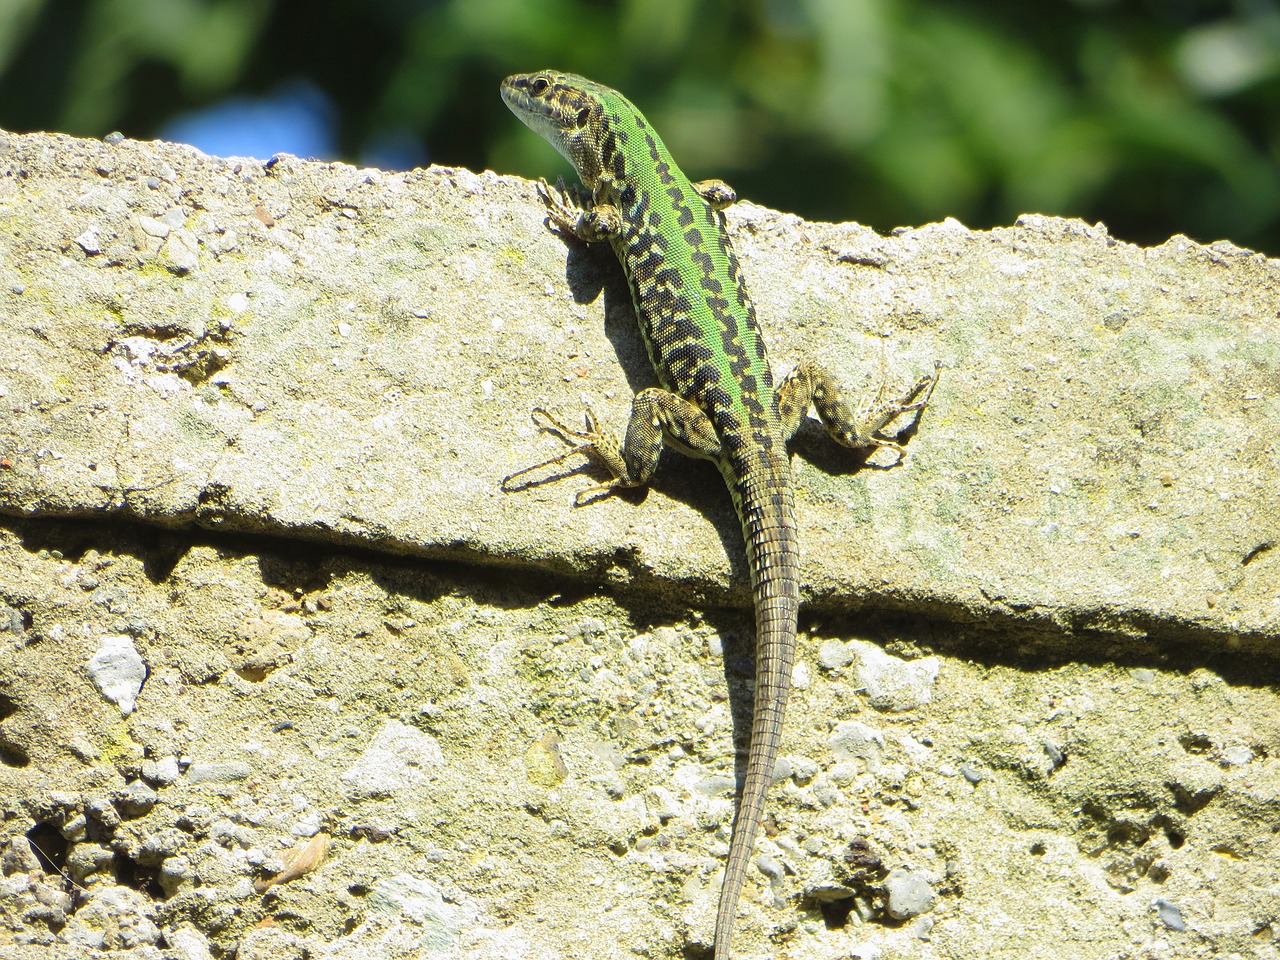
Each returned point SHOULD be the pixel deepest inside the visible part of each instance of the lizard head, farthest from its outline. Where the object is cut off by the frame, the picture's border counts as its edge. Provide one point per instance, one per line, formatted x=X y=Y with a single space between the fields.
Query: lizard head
x=561 y=108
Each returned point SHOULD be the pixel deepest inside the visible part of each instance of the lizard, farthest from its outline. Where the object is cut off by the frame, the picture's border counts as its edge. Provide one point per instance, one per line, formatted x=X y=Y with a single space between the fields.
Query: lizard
x=716 y=398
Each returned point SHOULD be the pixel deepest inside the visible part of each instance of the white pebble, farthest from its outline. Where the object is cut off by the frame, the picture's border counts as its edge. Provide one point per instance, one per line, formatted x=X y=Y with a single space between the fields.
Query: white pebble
x=118 y=672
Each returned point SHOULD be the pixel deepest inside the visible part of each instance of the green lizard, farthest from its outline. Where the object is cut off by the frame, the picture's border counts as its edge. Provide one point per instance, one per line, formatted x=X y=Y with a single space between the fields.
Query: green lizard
x=717 y=398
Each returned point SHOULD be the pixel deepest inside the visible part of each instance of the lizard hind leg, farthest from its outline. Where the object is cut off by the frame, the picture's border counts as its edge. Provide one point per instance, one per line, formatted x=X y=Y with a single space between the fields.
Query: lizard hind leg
x=857 y=427
x=717 y=193
x=568 y=434
x=658 y=419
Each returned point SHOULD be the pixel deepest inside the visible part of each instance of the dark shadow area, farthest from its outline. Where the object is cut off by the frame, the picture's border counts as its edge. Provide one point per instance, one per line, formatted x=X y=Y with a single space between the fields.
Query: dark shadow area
x=588 y=268
x=1034 y=640
x=1031 y=639
x=11 y=754
x=50 y=847
x=307 y=565
x=159 y=549
x=130 y=873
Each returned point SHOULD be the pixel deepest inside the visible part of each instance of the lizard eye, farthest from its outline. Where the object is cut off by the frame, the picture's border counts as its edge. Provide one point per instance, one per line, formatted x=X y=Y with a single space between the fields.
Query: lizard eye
x=539 y=86
x=584 y=115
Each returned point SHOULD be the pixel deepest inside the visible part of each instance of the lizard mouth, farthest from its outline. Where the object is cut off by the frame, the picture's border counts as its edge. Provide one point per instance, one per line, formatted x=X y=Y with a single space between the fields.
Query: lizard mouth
x=514 y=92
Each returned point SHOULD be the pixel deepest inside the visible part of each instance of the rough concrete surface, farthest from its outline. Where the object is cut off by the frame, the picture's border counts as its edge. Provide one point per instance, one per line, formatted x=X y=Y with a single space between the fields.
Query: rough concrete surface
x=285 y=673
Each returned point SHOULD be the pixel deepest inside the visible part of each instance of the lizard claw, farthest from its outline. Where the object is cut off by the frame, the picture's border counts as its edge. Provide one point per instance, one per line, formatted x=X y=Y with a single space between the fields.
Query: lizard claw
x=592 y=442
x=563 y=210
x=586 y=445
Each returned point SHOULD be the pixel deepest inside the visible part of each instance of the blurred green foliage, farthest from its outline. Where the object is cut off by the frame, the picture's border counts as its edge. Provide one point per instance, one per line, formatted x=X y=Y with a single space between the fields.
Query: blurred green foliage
x=1155 y=116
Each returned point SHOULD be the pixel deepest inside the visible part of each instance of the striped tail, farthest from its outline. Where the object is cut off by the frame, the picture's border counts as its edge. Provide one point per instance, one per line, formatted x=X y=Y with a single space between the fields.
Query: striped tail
x=768 y=525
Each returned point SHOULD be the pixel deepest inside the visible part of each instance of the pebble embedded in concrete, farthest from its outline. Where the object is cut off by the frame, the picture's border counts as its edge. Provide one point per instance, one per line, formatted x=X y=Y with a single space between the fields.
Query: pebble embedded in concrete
x=135 y=800
x=1170 y=914
x=908 y=894
x=160 y=773
x=117 y=670
x=833 y=655
x=852 y=739
x=893 y=684
x=1236 y=756
x=398 y=757
x=225 y=771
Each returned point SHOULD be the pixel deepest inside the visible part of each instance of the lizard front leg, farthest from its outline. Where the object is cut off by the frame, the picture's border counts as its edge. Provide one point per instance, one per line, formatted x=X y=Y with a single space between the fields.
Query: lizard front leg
x=855 y=427
x=658 y=419
x=570 y=217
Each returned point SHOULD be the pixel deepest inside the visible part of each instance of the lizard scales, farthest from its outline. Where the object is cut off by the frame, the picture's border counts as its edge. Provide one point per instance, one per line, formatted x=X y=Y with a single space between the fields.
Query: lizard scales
x=717 y=398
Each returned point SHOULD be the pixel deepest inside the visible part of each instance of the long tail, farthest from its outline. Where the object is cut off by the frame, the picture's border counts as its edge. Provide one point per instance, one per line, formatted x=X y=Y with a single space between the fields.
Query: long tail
x=768 y=526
